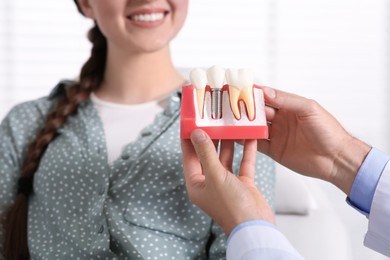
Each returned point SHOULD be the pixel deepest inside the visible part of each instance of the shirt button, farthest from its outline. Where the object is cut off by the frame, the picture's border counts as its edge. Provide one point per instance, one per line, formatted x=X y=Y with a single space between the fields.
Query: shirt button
x=101 y=229
x=145 y=134
x=176 y=99
x=125 y=157
x=102 y=190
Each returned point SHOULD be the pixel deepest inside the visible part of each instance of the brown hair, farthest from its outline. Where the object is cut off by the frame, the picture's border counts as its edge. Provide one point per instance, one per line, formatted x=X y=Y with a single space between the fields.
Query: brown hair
x=91 y=76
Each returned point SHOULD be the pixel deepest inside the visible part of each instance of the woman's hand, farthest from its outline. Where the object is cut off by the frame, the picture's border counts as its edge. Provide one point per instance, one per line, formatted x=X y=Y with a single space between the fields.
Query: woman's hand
x=211 y=185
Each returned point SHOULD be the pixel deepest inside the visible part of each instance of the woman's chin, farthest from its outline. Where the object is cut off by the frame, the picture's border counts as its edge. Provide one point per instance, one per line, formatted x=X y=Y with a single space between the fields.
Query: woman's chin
x=150 y=46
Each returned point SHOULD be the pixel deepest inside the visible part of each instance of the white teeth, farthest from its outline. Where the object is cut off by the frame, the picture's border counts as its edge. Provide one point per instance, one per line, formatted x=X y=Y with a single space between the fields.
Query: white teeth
x=198 y=79
x=232 y=77
x=240 y=78
x=241 y=88
x=216 y=77
x=148 y=17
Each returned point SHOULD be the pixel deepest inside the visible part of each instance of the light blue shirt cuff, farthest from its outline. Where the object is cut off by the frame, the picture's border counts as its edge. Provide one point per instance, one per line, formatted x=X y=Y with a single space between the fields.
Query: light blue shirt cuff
x=249 y=223
x=259 y=239
x=366 y=180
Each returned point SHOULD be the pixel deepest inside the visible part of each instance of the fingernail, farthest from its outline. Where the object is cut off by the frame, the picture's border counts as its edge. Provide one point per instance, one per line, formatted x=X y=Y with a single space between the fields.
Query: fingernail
x=271 y=93
x=198 y=136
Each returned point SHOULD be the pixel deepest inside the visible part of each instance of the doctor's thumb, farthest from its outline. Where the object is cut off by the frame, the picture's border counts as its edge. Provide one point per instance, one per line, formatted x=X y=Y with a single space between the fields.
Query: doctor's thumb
x=205 y=151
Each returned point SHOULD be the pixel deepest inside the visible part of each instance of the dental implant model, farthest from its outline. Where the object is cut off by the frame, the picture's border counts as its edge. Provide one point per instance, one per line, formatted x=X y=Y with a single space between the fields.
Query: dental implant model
x=198 y=79
x=225 y=104
x=241 y=88
x=216 y=78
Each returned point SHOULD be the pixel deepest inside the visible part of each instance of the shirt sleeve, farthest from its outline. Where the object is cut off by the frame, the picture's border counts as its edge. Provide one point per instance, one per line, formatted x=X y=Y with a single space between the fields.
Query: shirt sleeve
x=370 y=194
x=378 y=235
x=8 y=173
x=259 y=240
x=16 y=131
x=366 y=181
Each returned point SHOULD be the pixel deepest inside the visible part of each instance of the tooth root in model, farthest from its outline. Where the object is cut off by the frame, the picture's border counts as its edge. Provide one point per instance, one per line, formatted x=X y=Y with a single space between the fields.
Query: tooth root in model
x=247 y=95
x=241 y=88
x=216 y=79
x=200 y=100
x=234 y=93
x=198 y=79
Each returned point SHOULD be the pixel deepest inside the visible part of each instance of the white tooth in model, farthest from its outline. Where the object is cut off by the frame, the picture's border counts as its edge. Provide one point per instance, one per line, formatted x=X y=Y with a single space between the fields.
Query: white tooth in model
x=216 y=79
x=198 y=79
x=241 y=88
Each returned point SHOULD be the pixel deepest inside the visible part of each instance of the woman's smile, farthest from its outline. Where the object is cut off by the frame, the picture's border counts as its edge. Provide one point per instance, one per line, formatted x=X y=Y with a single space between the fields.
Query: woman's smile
x=148 y=18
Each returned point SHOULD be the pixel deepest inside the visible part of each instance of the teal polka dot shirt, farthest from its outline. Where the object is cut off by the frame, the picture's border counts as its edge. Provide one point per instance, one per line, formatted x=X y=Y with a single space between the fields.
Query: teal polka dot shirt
x=84 y=208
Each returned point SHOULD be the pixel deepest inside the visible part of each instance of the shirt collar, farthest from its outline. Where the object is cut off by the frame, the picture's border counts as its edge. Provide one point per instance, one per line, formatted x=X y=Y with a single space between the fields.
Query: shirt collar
x=174 y=99
x=60 y=88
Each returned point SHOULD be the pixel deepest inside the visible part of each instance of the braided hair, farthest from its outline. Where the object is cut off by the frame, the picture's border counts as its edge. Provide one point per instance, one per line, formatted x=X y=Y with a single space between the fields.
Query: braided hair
x=91 y=76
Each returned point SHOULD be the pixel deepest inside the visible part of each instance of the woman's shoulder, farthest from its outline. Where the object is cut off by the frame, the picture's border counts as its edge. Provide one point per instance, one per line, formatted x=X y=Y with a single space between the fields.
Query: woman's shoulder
x=25 y=118
x=29 y=110
x=20 y=125
x=37 y=109
x=28 y=115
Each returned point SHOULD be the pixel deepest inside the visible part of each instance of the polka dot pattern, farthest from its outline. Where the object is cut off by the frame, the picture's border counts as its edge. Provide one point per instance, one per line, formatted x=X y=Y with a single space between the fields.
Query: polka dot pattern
x=136 y=208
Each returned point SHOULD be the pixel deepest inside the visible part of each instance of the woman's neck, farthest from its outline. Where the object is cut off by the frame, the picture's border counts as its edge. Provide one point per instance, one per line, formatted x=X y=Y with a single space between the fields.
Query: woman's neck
x=138 y=77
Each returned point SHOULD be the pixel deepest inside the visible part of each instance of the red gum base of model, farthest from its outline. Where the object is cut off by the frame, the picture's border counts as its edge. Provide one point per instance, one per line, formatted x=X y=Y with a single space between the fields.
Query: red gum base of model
x=188 y=122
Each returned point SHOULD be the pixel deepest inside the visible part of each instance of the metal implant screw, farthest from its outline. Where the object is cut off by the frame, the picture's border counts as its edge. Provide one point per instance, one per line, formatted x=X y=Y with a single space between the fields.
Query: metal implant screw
x=216 y=104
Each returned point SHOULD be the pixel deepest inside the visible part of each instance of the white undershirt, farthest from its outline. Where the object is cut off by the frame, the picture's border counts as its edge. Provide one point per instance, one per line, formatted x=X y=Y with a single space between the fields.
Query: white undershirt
x=122 y=124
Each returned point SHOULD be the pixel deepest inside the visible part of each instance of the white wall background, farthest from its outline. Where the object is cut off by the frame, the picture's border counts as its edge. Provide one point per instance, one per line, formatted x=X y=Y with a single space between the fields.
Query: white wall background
x=41 y=42
x=336 y=52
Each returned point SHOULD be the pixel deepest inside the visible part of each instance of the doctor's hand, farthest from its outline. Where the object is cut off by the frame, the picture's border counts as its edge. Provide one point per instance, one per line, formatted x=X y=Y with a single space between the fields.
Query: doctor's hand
x=306 y=138
x=211 y=185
